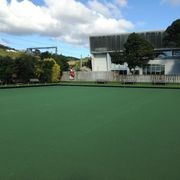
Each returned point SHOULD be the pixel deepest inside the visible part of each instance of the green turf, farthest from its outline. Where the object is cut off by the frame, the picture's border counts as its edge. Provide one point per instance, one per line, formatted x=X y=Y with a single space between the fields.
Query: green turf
x=89 y=133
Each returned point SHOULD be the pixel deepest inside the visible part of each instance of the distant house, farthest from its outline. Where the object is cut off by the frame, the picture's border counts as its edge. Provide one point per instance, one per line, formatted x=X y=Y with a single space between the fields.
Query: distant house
x=11 y=50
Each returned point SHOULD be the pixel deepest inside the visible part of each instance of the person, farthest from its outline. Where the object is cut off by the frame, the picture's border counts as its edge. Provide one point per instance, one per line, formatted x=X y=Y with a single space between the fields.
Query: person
x=71 y=74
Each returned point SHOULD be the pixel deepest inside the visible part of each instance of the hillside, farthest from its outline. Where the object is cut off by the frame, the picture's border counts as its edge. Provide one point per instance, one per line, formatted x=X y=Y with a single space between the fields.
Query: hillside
x=4 y=47
x=8 y=51
x=68 y=58
x=13 y=54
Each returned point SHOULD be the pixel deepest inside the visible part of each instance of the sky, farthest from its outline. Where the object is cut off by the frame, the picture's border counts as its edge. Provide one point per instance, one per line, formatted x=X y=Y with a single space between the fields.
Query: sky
x=68 y=24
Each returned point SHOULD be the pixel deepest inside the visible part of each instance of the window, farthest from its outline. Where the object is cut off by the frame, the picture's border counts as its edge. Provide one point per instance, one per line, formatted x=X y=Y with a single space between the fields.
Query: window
x=156 y=69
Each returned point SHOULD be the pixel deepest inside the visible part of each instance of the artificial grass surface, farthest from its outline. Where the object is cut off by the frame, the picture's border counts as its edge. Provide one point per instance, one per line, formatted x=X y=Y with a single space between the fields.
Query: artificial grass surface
x=86 y=133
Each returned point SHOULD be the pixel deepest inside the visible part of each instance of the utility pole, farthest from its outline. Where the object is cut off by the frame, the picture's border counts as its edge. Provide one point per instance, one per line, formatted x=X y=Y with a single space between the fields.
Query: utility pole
x=81 y=61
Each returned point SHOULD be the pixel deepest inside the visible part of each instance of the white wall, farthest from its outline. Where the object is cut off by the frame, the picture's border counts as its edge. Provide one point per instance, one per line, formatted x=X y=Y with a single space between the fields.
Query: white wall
x=172 y=66
x=101 y=62
x=112 y=76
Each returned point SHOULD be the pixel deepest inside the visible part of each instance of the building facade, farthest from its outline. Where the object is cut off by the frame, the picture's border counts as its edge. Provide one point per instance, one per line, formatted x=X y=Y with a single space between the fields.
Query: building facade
x=167 y=60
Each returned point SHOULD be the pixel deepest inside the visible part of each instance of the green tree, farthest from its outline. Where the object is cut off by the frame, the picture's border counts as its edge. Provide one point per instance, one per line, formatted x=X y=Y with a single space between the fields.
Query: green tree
x=138 y=51
x=25 y=68
x=39 y=70
x=55 y=73
x=172 y=35
x=6 y=69
x=62 y=62
x=48 y=70
x=45 y=55
x=87 y=62
x=46 y=66
x=60 y=59
x=117 y=57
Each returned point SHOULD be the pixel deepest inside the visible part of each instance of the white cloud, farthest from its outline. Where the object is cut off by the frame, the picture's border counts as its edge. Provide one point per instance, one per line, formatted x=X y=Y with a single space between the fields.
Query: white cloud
x=99 y=7
x=24 y=18
x=122 y=2
x=107 y=8
x=67 y=20
x=172 y=2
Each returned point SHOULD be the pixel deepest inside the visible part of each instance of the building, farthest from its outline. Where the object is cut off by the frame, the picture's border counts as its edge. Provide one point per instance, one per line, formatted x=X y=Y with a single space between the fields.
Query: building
x=167 y=60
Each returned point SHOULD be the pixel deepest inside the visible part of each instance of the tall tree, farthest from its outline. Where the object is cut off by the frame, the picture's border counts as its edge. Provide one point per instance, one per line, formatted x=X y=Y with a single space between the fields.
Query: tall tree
x=45 y=54
x=172 y=35
x=60 y=59
x=6 y=69
x=46 y=66
x=48 y=70
x=138 y=51
x=117 y=57
x=62 y=62
x=55 y=76
x=25 y=68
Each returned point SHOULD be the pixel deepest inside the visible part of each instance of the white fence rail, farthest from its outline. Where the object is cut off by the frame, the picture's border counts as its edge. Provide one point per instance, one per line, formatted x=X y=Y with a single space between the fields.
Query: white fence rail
x=111 y=76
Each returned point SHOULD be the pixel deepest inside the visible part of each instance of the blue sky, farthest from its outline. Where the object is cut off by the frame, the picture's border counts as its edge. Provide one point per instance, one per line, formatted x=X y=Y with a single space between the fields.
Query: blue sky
x=68 y=23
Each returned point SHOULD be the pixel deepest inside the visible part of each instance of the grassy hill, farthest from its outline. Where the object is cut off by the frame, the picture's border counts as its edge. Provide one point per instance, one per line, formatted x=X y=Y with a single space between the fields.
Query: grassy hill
x=72 y=61
x=7 y=51
x=5 y=47
x=12 y=54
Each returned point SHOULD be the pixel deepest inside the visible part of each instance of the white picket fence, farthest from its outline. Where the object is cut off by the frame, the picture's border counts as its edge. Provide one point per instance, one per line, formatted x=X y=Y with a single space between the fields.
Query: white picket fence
x=112 y=76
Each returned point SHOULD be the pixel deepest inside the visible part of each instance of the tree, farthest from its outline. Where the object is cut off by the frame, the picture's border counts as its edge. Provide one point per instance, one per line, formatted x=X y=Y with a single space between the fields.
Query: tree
x=62 y=62
x=117 y=57
x=48 y=70
x=172 y=35
x=6 y=69
x=87 y=62
x=39 y=70
x=45 y=55
x=25 y=68
x=47 y=65
x=60 y=59
x=55 y=73
x=138 y=51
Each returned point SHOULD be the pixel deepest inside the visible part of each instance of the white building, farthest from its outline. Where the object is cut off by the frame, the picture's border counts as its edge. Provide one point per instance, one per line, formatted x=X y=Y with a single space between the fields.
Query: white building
x=167 y=60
